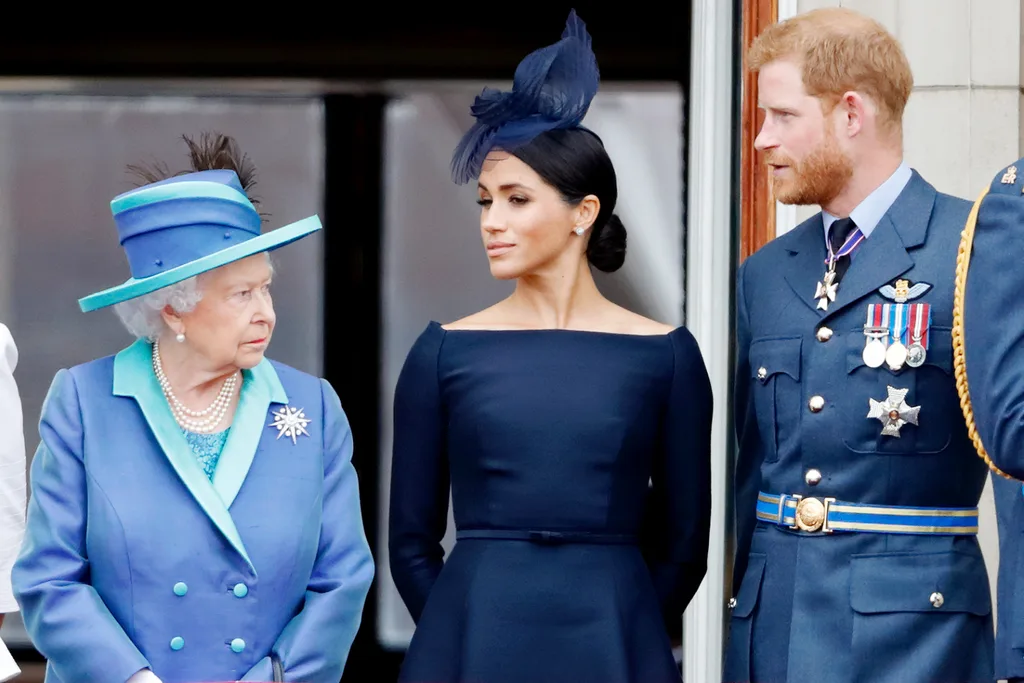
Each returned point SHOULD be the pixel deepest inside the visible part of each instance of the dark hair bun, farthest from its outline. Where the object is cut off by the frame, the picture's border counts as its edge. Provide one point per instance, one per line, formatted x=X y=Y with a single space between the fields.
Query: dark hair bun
x=606 y=250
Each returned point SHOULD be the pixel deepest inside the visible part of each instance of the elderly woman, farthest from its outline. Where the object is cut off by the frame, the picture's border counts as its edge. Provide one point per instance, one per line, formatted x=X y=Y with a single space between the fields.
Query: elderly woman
x=194 y=511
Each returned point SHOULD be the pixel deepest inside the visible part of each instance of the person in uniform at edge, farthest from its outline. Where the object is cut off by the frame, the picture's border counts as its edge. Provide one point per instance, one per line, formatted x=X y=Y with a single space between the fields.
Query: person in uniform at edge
x=194 y=513
x=987 y=337
x=856 y=483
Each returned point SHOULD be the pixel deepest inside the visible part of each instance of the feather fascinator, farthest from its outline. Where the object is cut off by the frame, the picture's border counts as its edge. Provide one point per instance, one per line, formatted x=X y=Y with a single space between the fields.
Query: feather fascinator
x=553 y=88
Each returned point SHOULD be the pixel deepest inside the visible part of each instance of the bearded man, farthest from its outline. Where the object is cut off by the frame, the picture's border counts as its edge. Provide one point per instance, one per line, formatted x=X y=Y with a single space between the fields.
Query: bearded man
x=856 y=483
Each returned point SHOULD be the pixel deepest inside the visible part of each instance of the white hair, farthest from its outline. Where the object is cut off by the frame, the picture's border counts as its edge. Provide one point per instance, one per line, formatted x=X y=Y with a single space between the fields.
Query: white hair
x=142 y=316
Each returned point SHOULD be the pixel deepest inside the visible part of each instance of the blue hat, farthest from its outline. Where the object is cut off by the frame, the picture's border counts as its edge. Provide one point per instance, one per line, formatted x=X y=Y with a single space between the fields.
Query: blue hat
x=553 y=88
x=176 y=228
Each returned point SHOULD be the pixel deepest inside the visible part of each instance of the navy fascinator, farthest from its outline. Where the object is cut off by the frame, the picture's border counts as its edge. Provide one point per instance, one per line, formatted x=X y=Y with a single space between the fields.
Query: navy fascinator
x=552 y=88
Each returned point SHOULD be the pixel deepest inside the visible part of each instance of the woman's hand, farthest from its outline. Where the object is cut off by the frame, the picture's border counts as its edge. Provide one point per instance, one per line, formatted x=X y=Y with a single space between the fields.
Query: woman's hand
x=144 y=676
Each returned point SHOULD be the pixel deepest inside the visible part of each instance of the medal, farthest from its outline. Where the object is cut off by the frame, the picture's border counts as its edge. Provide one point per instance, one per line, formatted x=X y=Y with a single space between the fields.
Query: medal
x=896 y=354
x=893 y=412
x=827 y=288
x=920 y=322
x=875 y=334
x=874 y=352
x=915 y=355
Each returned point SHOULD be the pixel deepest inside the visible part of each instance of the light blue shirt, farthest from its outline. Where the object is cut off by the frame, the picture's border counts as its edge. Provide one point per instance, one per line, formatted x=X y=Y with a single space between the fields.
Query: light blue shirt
x=869 y=212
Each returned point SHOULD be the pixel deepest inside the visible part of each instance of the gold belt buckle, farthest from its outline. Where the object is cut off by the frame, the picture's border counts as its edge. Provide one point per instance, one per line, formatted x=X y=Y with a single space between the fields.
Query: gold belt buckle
x=812 y=514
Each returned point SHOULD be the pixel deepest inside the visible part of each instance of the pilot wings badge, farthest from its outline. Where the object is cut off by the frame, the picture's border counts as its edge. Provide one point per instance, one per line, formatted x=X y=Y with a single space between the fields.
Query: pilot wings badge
x=902 y=291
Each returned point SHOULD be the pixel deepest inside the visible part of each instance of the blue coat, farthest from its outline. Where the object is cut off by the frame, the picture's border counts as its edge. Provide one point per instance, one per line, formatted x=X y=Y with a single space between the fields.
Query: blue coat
x=134 y=559
x=993 y=334
x=853 y=606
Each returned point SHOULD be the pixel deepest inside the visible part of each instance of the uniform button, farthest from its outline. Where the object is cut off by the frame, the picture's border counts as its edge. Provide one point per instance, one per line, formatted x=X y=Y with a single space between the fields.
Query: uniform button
x=237 y=645
x=816 y=404
x=762 y=373
x=824 y=334
x=180 y=588
x=813 y=477
x=177 y=642
x=937 y=600
x=240 y=590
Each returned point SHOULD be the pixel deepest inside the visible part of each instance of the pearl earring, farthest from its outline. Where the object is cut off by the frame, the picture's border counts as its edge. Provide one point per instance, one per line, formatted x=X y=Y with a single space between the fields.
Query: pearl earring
x=578 y=230
x=180 y=338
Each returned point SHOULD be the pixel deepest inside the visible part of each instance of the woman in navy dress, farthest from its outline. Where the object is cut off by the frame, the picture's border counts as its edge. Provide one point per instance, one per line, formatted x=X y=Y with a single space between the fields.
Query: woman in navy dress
x=573 y=435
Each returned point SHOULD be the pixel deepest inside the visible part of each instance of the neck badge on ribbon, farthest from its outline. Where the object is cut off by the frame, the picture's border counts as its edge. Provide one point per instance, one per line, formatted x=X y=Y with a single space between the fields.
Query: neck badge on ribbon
x=827 y=287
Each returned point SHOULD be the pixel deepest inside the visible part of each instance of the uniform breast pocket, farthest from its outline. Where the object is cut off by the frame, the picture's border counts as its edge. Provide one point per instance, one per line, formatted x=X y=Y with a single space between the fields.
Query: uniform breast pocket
x=775 y=374
x=929 y=387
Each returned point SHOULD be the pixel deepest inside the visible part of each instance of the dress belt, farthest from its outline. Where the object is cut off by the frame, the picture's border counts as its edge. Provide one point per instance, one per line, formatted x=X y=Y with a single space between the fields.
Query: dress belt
x=546 y=537
x=828 y=515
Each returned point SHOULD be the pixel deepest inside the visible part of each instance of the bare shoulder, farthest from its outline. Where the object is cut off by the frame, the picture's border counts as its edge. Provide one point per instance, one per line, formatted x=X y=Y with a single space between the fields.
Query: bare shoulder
x=628 y=322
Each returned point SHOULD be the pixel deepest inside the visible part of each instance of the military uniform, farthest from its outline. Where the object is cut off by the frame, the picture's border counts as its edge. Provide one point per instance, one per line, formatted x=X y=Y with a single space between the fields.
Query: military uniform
x=991 y=371
x=856 y=483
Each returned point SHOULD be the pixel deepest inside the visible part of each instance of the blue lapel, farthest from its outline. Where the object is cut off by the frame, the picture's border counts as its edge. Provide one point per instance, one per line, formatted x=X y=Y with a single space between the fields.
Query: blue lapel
x=883 y=257
x=880 y=259
x=806 y=246
x=260 y=388
x=133 y=376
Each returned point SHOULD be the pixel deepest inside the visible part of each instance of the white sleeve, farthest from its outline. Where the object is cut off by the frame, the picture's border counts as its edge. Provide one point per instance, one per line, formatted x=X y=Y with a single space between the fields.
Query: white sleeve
x=12 y=470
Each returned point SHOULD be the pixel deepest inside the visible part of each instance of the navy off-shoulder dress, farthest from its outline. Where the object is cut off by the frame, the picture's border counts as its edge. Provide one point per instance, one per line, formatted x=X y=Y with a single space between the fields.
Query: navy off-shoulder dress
x=578 y=464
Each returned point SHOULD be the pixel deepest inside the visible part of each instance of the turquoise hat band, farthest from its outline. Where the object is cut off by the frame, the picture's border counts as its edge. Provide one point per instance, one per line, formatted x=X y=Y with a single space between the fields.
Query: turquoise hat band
x=133 y=288
x=189 y=189
x=179 y=227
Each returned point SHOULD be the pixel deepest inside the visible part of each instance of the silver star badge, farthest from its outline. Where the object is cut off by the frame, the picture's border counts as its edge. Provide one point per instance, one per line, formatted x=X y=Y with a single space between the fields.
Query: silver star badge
x=290 y=422
x=894 y=412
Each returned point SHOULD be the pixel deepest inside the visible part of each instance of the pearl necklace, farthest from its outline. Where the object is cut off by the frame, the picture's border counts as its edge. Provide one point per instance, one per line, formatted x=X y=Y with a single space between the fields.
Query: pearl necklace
x=198 y=421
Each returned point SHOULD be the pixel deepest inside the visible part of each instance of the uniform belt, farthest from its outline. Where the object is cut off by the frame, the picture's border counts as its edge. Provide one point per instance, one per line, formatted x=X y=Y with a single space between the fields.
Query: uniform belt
x=548 y=537
x=826 y=515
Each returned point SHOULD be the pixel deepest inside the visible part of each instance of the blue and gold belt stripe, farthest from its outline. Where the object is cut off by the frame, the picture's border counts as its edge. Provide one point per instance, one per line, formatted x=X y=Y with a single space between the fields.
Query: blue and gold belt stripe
x=826 y=515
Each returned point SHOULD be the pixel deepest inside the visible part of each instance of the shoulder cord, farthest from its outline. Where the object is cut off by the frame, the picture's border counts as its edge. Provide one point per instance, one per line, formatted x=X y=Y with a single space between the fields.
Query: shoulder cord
x=963 y=258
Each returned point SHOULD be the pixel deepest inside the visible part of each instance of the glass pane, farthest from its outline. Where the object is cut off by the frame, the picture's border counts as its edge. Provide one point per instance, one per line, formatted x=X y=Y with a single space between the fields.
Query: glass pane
x=434 y=266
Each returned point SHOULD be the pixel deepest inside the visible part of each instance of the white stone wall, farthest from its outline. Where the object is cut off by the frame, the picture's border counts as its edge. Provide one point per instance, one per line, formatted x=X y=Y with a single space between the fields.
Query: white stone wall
x=963 y=122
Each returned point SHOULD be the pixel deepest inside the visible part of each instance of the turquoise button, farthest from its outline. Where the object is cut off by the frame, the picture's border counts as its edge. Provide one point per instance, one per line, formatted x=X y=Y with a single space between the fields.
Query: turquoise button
x=177 y=642
x=180 y=589
x=237 y=645
x=241 y=590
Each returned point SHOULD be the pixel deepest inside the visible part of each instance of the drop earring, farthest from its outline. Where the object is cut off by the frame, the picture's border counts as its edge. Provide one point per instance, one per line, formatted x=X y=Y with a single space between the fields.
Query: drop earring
x=180 y=338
